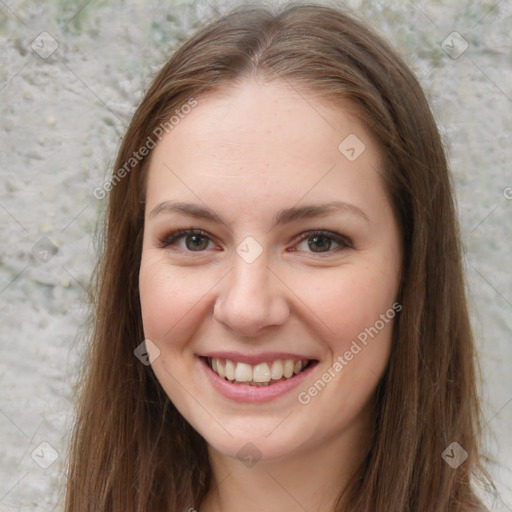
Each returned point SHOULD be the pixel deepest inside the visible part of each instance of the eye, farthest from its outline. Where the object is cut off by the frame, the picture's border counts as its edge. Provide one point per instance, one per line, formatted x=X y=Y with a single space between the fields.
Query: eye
x=193 y=240
x=317 y=241
x=320 y=241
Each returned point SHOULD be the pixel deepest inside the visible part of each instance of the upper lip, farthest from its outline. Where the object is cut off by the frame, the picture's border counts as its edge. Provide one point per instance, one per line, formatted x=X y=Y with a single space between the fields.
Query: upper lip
x=253 y=359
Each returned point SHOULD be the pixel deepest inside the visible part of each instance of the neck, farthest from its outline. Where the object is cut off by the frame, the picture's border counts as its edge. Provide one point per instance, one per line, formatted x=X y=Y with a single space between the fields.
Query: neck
x=309 y=480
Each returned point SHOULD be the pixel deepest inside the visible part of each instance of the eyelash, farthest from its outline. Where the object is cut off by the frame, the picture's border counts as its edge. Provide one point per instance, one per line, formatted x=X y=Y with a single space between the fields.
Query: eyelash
x=343 y=241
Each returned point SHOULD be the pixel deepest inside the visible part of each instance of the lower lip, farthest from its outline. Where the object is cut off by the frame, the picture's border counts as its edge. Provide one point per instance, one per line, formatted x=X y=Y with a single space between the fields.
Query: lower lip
x=247 y=393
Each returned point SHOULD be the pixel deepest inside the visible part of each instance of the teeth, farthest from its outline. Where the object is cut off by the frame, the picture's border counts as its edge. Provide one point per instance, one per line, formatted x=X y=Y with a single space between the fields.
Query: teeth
x=261 y=374
x=221 y=370
x=277 y=370
x=230 y=370
x=288 y=368
x=243 y=372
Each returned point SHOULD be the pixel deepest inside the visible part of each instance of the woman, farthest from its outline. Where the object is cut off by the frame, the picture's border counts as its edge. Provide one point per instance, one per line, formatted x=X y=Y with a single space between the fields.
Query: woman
x=281 y=320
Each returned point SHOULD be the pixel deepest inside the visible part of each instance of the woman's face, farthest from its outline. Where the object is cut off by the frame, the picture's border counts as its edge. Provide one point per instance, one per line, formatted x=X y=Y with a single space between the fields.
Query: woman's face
x=234 y=308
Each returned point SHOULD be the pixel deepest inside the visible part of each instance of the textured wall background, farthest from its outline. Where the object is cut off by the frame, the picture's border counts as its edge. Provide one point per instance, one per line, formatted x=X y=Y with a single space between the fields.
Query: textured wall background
x=72 y=73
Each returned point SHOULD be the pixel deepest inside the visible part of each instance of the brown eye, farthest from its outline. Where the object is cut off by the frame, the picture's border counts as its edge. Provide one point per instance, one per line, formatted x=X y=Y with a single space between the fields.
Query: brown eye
x=187 y=240
x=319 y=243
x=196 y=242
x=322 y=242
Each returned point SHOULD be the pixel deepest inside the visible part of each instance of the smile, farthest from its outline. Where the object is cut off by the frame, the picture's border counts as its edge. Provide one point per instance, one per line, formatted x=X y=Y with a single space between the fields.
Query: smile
x=261 y=374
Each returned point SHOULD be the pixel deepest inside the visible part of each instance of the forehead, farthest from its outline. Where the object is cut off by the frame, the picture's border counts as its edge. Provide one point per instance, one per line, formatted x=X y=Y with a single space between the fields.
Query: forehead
x=271 y=140
x=286 y=113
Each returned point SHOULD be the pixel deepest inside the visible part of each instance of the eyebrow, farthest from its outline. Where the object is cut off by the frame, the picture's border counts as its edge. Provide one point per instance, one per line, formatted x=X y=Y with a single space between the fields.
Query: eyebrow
x=284 y=216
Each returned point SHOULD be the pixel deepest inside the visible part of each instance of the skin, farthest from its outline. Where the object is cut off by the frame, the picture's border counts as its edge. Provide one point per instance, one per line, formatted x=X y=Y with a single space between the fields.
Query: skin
x=246 y=152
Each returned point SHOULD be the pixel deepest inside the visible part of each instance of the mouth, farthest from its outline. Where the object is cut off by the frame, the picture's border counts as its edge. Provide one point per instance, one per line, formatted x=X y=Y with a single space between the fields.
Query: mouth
x=263 y=374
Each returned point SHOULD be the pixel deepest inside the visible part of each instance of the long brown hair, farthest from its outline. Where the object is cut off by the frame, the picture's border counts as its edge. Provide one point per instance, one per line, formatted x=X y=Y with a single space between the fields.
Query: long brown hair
x=131 y=449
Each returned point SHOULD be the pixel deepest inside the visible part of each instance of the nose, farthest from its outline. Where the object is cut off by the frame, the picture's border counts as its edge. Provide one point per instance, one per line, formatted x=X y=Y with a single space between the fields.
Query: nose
x=251 y=298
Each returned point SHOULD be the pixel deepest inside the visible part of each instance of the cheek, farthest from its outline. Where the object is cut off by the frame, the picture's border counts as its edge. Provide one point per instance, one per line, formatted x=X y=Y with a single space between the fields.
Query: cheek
x=169 y=298
x=356 y=317
x=346 y=301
